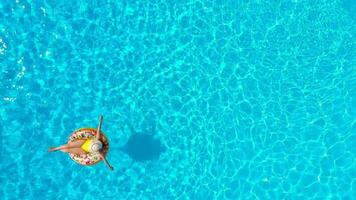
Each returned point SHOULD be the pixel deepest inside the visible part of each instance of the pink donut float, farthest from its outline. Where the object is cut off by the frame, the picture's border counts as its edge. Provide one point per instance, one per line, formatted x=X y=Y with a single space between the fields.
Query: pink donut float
x=88 y=158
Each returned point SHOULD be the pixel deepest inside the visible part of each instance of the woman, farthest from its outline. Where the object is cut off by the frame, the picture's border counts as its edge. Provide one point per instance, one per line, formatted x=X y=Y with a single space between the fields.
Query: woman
x=83 y=146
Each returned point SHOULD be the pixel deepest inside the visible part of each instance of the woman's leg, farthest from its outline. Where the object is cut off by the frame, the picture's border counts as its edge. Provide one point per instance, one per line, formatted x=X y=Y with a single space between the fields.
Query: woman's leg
x=76 y=143
x=73 y=144
x=75 y=150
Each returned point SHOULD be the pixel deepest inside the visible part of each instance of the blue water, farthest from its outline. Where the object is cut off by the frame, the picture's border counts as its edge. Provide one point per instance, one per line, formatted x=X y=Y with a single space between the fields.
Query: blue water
x=221 y=99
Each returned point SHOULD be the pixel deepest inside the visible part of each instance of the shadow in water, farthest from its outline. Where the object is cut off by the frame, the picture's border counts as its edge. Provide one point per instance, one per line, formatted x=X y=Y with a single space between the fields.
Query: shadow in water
x=143 y=147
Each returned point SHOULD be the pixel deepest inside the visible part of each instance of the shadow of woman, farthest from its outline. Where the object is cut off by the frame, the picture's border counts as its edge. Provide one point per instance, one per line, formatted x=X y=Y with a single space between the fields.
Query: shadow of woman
x=143 y=146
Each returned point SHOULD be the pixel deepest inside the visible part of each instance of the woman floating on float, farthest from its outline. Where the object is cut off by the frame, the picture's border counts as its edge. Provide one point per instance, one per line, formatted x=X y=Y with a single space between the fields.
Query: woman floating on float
x=87 y=146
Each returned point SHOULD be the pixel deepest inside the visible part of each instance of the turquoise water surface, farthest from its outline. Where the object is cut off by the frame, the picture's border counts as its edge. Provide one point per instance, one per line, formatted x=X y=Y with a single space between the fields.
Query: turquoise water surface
x=221 y=99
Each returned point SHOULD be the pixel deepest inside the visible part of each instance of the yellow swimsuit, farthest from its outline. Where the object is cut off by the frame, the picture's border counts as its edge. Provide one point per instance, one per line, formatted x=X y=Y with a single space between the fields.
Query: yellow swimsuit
x=86 y=145
x=91 y=145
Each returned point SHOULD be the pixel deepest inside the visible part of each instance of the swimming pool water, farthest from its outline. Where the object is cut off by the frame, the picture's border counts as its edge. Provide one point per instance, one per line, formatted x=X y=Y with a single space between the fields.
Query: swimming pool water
x=250 y=99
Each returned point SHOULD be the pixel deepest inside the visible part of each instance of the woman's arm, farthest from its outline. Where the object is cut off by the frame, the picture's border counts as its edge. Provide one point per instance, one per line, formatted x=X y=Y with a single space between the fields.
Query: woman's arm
x=97 y=135
x=105 y=161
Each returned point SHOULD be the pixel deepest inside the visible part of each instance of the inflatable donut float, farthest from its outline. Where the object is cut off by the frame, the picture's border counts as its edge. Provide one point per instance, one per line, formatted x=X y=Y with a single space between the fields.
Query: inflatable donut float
x=88 y=158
